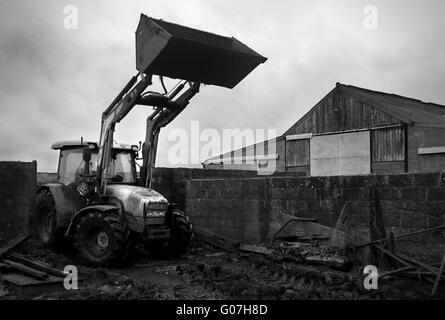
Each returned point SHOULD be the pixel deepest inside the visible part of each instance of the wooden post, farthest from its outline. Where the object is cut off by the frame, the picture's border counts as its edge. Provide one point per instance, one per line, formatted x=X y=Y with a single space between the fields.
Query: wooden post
x=376 y=223
x=439 y=276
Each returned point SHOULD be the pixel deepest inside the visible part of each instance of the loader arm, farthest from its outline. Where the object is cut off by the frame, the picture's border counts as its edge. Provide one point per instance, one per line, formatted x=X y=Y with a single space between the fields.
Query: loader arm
x=165 y=109
x=156 y=121
x=177 y=52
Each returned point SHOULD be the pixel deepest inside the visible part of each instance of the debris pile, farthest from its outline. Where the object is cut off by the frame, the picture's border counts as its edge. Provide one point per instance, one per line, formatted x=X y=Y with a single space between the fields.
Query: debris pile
x=210 y=273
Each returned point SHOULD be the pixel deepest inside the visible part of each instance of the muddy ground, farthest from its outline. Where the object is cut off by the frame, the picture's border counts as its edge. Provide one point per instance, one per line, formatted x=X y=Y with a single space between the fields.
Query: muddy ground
x=209 y=273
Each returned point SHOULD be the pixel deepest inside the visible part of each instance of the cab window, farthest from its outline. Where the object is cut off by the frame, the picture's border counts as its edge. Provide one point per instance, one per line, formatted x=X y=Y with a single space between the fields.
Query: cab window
x=71 y=165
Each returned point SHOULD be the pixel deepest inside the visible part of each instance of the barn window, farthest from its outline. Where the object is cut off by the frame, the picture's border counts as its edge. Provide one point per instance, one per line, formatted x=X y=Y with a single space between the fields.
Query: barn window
x=297 y=153
x=388 y=144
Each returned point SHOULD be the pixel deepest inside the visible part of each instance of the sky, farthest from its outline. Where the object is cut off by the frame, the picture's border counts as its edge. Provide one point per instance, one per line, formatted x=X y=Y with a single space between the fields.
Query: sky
x=55 y=82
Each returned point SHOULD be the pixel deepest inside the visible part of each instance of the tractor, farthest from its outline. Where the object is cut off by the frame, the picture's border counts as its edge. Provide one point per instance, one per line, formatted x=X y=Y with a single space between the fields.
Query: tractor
x=103 y=202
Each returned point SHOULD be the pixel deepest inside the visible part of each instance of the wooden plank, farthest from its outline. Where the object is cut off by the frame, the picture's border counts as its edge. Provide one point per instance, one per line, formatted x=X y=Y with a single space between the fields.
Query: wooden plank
x=332 y=261
x=400 y=236
x=420 y=273
x=388 y=273
x=26 y=286
x=392 y=255
x=255 y=249
x=15 y=244
x=27 y=270
x=419 y=263
x=313 y=237
x=36 y=265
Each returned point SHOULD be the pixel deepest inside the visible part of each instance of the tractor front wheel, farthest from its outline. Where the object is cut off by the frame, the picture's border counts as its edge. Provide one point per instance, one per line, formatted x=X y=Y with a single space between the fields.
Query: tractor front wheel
x=181 y=235
x=102 y=238
x=180 y=239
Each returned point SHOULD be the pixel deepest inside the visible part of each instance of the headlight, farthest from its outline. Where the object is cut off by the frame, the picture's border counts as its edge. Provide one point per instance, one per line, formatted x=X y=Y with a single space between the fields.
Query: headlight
x=155 y=209
x=151 y=214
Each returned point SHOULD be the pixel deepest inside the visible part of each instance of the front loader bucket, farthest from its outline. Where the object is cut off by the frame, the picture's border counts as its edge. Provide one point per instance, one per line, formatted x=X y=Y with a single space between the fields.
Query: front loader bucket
x=179 y=52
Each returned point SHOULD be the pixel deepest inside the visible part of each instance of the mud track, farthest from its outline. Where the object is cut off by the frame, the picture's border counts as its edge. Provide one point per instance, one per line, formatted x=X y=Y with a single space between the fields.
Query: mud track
x=207 y=273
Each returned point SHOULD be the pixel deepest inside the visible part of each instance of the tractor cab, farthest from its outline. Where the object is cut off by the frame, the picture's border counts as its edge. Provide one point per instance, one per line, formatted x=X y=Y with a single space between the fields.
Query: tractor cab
x=71 y=168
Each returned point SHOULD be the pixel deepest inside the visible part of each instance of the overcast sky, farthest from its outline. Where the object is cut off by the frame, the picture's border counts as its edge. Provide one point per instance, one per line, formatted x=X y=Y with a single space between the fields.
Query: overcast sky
x=54 y=83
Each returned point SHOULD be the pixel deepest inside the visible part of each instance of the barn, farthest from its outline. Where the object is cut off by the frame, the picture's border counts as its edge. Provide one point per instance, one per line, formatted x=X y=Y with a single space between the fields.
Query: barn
x=351 y=131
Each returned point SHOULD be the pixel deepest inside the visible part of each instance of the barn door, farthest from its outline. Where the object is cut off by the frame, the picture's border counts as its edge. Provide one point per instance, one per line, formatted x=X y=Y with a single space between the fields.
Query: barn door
x=341 y=154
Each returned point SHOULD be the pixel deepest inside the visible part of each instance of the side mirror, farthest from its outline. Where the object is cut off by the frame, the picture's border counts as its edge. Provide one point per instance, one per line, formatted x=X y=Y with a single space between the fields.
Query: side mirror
x=86 y=154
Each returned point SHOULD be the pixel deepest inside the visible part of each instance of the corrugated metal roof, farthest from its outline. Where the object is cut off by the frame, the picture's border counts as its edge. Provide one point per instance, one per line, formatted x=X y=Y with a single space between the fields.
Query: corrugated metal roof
x=406 y=109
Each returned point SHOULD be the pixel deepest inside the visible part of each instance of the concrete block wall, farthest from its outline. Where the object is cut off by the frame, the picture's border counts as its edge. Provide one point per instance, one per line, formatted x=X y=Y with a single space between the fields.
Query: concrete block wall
x=409 y=201
x=46 y=177
x=17 y=197
x=236 y=208
x=171 y=182
x=240 y=208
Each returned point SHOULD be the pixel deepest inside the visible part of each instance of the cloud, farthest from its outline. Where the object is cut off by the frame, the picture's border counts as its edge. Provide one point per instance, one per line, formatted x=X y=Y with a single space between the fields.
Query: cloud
x=54 y=83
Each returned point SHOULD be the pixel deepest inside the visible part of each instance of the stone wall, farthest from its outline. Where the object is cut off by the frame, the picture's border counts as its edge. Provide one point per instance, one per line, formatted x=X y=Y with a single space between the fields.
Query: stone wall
x=17 y=197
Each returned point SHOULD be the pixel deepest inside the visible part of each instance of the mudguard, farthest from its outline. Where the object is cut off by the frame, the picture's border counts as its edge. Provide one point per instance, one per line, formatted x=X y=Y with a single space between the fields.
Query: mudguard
x=78 y=216
x=66 y=202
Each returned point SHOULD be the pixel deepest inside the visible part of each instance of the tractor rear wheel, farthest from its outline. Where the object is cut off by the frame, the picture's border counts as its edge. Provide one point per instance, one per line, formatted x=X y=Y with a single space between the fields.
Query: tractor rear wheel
x=46 y=221
x=102 y=238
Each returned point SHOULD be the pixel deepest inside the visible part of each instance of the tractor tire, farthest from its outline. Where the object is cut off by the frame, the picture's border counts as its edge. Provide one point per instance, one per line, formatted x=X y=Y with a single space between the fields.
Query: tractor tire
x=181 y=239
x=46 y=221
x=102 y=239
x=182 y=235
